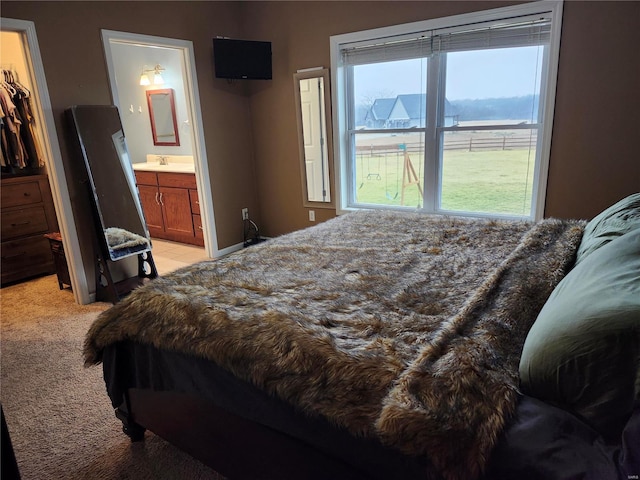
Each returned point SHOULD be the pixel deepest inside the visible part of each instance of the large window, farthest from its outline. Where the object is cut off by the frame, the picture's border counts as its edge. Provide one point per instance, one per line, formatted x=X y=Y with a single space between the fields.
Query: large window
x=448 y=116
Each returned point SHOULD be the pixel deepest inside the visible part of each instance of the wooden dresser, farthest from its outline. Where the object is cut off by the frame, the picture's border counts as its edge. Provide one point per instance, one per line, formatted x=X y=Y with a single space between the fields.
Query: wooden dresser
x=27 y=215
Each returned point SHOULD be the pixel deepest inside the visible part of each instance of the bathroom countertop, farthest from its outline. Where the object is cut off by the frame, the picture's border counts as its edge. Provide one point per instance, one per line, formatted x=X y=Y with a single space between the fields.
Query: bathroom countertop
x=171 y=167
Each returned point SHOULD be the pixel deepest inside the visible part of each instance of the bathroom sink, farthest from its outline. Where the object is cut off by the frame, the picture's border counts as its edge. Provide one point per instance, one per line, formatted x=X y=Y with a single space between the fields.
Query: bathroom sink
x=169 y=163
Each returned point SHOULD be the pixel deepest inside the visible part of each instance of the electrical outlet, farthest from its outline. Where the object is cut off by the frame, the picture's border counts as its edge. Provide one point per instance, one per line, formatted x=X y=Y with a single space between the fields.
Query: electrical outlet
x=245 y=214
x=312 y=215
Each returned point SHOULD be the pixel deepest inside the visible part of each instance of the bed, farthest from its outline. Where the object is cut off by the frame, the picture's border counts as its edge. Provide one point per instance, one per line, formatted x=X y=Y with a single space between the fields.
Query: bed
x=385 y=345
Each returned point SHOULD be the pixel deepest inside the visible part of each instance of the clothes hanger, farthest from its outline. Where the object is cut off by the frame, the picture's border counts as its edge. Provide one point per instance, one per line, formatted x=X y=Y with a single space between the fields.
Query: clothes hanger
x=4 y=81
x=9 y=88
x=17 y=85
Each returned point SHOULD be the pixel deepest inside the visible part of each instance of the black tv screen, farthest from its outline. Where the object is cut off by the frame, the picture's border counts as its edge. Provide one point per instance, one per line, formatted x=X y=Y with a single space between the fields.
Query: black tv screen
x=242 y=59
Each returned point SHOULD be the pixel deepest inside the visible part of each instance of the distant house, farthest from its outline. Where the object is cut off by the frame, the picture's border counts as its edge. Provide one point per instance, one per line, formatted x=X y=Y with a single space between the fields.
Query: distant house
x=405 y=111
x=378 y=115
x=408 y=111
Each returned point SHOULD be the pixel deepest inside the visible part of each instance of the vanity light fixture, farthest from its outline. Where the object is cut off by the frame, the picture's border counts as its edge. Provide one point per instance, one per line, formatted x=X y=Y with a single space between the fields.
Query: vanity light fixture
x=157 y=77
x=144 y=79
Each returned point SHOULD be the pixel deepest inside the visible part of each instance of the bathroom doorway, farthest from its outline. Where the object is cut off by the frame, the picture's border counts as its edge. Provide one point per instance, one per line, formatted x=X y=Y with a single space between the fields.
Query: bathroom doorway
x=129 y=56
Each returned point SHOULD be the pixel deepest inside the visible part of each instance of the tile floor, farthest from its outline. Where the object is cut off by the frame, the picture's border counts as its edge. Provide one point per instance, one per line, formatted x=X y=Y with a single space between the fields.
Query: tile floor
x=170 y=256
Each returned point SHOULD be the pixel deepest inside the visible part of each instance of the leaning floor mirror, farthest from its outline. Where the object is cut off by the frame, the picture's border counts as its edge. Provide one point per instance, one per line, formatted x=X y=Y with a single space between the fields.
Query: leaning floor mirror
x=110 y=175
x=119 y=222
x=313 y=108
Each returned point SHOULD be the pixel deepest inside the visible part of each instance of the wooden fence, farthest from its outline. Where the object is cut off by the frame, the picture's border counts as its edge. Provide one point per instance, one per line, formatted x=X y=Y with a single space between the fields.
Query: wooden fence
x=470 y=144
x=473 y=144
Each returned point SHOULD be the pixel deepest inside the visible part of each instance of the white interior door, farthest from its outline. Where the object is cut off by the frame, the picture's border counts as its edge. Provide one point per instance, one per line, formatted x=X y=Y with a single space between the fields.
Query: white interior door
x=315 y=149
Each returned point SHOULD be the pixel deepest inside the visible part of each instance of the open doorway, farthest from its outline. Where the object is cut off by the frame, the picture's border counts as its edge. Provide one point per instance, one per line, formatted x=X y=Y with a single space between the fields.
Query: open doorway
x=129 y=56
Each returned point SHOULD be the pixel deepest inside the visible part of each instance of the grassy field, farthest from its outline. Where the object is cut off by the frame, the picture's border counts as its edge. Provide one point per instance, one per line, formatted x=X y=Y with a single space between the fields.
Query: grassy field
x=496 y=181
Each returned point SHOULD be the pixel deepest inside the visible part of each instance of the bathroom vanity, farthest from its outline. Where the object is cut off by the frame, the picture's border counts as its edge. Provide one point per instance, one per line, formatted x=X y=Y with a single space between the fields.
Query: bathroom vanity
x=169 y=200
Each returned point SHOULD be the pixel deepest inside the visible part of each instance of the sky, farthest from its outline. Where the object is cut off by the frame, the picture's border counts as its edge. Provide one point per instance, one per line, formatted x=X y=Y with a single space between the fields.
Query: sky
x=506 y=72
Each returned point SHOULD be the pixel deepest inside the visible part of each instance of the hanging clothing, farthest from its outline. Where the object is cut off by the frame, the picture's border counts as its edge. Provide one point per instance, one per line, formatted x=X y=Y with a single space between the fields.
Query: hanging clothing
x=3 y=140
x=11 y=124
x=27 y=134
x=20 y=146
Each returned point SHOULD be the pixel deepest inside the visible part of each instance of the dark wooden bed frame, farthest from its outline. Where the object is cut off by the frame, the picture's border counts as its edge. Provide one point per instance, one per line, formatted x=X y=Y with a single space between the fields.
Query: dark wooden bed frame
x=231 y=445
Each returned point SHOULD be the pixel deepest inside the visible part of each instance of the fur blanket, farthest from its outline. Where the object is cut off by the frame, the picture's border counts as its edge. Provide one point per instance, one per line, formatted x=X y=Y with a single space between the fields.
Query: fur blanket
x=400 y=326
x=122 y=242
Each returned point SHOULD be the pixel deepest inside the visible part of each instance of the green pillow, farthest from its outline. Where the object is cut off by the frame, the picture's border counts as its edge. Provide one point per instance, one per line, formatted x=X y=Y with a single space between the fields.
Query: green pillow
x=583 y=351
x=618 y=219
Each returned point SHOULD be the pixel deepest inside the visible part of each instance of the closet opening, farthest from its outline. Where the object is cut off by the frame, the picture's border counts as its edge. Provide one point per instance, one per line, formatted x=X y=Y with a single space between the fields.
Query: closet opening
x=35 y=197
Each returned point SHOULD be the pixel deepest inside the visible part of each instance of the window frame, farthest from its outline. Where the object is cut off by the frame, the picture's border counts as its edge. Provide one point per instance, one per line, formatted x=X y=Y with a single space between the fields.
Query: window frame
x=342 y=106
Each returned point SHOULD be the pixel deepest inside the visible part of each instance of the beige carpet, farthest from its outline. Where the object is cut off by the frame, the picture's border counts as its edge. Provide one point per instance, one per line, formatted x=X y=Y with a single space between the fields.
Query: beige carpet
x=59 y=416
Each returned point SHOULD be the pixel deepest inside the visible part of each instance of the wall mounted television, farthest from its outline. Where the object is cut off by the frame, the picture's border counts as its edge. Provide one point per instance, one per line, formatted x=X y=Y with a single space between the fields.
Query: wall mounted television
x=242 y=59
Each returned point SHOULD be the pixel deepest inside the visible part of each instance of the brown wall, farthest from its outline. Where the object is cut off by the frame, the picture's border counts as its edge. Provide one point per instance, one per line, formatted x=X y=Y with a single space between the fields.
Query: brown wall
x=594 y=154
x=299 y=32
x=593 y=159
x=71 y=46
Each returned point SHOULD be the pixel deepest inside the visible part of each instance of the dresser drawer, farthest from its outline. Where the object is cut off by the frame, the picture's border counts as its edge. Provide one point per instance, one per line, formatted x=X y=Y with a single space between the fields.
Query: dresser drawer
x=195 y=203
x=24 y=221
x=197 y=227
x=26 y=257
x=21 y=194
x=180 y=180
x=146 y=178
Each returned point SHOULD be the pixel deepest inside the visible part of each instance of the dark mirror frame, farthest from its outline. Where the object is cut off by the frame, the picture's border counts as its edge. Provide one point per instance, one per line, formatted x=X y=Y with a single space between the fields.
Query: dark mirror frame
x=118 y=215
x=155 y=120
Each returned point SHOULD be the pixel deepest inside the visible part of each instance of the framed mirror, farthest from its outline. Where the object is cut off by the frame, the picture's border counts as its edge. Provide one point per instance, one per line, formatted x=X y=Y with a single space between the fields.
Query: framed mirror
x=313 y=109
x=162 y=112
x=111 y=180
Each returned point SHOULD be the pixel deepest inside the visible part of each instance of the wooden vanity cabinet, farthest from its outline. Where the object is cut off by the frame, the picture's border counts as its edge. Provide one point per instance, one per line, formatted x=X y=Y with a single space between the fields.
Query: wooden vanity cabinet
x=167 y=201
x=195 y=214
x=27 y=215
x=149 y=197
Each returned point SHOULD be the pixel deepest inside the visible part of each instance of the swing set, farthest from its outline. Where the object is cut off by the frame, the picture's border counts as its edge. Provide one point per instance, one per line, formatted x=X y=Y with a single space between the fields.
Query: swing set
x=409 y=175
